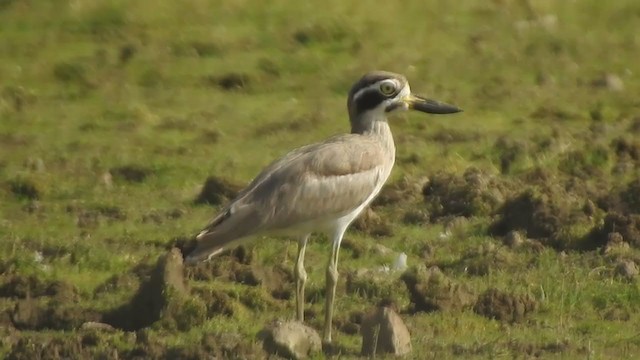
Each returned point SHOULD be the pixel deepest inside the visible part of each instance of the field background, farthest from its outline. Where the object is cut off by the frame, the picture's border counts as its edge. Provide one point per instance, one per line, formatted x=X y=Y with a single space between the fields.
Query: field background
x=114 y=113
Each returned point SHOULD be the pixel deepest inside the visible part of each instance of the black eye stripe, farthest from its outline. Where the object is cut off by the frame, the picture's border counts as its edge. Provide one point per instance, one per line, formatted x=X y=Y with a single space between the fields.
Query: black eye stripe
x=369 y=100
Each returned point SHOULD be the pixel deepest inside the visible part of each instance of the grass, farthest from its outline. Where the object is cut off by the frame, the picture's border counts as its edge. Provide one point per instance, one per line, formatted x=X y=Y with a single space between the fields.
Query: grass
x=89 y=87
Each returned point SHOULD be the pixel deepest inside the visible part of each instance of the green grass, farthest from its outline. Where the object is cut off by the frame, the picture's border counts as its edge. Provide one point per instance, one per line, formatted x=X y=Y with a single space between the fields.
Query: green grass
x=91 y=86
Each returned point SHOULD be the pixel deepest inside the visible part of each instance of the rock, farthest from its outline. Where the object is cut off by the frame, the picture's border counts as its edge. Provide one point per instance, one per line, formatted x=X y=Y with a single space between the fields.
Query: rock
x=384 y=332
x=431 y=290
x=627 y=269
x=290 y=339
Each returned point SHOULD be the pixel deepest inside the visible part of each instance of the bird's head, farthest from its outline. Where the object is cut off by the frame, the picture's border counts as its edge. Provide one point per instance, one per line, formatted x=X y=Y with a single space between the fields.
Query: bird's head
x=380 y=93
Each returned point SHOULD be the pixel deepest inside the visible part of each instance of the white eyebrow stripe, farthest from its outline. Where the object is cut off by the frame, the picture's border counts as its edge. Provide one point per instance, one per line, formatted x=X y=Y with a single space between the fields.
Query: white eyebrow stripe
x=363 y=90
x=375 y=86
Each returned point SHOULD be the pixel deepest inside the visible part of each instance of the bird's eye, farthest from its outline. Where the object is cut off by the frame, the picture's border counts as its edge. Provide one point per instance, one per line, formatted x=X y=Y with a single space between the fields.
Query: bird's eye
x=387 y=87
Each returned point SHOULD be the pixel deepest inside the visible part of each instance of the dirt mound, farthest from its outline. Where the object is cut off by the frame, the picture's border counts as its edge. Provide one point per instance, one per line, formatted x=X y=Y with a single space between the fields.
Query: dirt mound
x=485 y=260
x=31 y=286
x=131 y=173
x=26 y=188
x=502 y=306
x=626 y=225
x=430 y=290
x=56 y=348
x=217 y=346
x=547 y=213
x=475 y=193
x=373 y=284
x=162 y=297
x=370 y=223
x=511 y=152
x=624 y=200
x=217 y=191
x=401 y=191
x=38 y=314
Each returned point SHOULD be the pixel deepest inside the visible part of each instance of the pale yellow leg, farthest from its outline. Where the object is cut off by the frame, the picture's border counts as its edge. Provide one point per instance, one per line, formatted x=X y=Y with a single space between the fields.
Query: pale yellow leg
x=332 y=282
x=301 y=278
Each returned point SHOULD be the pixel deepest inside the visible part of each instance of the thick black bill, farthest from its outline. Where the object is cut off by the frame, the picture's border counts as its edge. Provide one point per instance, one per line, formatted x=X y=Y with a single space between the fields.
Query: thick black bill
x=431 y=106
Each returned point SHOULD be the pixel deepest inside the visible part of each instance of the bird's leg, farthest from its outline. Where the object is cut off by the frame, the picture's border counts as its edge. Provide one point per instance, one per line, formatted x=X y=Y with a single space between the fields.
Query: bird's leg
x=332 y=282
x=301 y=277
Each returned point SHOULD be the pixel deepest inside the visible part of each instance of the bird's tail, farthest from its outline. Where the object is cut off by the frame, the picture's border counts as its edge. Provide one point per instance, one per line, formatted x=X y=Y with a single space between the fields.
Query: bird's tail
x=225 y=231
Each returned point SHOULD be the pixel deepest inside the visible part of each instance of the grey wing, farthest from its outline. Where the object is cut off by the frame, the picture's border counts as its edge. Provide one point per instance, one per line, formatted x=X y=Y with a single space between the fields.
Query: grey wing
x=313 y=182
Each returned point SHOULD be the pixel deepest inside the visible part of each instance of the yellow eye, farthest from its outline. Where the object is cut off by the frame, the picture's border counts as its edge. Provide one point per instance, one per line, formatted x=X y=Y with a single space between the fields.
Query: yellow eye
x=387 y=87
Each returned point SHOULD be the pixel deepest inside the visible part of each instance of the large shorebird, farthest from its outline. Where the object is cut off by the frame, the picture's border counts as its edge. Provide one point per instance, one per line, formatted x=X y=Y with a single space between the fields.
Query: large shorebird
x=321 y=187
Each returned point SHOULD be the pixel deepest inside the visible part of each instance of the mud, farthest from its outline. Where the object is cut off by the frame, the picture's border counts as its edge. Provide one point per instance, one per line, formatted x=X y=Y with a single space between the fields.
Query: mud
x=506 y=307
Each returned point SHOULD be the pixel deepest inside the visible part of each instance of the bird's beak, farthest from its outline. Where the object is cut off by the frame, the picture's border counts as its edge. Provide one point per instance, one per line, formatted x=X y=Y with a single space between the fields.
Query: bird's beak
x=419 y=103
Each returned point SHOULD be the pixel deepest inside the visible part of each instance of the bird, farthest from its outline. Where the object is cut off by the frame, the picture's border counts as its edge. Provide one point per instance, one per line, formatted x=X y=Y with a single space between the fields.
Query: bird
x=323 y=187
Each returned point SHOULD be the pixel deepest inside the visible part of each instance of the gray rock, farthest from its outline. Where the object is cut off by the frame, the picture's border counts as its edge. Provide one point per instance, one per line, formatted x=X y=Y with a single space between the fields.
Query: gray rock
x=290 y=339
x=384 y=332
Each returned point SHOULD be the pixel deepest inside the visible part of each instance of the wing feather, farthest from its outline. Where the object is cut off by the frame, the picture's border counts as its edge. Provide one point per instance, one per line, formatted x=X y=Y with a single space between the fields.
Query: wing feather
x=318 y=181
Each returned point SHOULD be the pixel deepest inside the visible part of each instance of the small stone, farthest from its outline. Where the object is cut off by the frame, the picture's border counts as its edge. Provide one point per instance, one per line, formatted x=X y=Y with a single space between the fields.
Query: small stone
x=290 y=339
x=627 y=269
x=94 y=325
x=384 y=332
